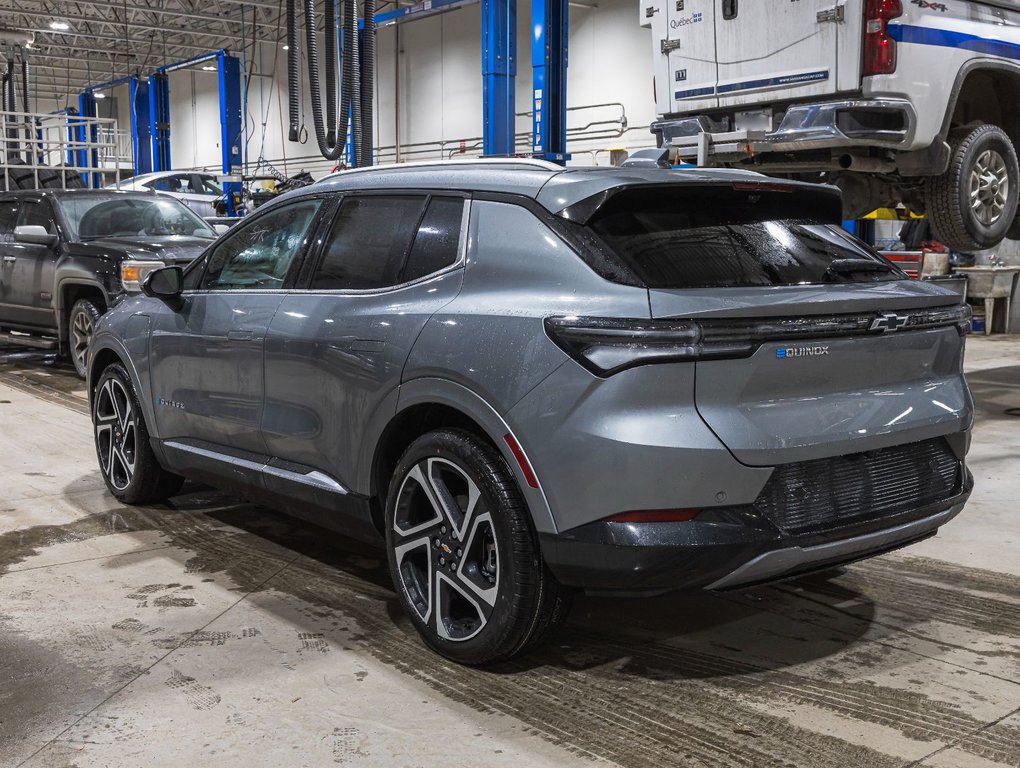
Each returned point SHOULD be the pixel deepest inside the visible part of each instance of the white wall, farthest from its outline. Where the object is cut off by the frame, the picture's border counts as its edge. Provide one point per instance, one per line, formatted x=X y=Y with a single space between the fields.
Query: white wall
x=431 y=69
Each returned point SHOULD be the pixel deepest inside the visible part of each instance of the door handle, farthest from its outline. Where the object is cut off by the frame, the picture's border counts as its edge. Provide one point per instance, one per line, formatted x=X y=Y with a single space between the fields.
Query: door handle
x=10 y=259
x=240 y=335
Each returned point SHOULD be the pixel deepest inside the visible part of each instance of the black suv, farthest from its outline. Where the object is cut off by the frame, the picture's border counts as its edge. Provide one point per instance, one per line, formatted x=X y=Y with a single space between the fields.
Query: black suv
x=66 y=256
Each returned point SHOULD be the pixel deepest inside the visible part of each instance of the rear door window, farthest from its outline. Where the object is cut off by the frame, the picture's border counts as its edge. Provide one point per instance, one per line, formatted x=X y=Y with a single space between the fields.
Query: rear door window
x=8 y=217
x=369 y=242
x=719 y=237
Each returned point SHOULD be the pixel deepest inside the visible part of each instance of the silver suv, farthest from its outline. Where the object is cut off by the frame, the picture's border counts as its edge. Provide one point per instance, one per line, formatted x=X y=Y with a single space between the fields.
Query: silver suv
x=525 y=380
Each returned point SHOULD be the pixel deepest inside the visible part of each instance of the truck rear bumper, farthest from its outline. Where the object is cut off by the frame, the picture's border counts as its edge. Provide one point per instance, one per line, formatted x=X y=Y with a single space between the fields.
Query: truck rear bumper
x=888 y=123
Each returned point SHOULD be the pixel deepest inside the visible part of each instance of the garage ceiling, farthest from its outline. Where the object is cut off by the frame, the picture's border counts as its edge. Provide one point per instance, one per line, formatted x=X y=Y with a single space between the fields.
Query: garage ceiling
x=107 y=39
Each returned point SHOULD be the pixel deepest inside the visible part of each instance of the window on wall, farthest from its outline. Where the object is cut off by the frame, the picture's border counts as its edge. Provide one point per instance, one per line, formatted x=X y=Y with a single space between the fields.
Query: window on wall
x=258 y=253
x=382 y=241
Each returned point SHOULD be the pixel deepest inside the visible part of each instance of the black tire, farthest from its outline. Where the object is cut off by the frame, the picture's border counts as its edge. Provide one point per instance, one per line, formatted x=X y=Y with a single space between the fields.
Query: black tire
x=483 y=594
x=81 y=323
x=954 y=220
x=130 y=469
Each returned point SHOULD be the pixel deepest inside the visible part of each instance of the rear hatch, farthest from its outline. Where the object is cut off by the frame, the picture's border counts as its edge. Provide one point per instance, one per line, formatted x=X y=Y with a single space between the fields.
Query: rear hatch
x=777 y=50
x=812 y=345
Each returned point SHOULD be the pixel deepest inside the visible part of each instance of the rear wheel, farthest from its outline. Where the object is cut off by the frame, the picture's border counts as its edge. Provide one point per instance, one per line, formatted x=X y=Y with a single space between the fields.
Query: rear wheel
x=973 y=204
x=463 y=554
x=81 y=323
x=129 y=467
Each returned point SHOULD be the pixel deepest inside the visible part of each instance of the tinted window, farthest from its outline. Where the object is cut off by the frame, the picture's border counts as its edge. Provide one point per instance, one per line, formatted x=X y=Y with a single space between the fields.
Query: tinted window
x=368 y=243
x=37 y=215
x=435 y=245
x=8 y=216
x=258 y=253
x=722 y=237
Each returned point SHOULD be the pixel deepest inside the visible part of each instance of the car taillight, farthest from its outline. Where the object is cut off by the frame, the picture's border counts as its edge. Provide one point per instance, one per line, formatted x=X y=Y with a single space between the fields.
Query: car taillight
x=879 y=46
x=607 y=345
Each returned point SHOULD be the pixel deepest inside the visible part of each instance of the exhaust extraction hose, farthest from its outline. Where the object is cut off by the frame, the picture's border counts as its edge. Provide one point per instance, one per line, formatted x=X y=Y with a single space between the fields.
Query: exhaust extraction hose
x=367 y=84
x=330 y=151
x=293 y=73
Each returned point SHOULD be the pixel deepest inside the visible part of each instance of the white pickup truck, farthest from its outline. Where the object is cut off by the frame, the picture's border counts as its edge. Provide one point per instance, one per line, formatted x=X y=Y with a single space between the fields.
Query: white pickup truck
x=894 y=101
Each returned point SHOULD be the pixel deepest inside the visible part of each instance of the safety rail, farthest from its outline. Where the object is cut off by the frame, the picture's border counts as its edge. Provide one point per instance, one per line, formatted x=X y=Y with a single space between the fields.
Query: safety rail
x=58 y=151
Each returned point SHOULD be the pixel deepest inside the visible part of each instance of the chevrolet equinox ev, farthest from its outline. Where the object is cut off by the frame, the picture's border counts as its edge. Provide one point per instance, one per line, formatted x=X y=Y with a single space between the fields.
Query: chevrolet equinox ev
x=524 y=380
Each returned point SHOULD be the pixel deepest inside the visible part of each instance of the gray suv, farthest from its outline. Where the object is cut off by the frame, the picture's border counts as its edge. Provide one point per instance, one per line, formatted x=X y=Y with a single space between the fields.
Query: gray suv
x=525 y=380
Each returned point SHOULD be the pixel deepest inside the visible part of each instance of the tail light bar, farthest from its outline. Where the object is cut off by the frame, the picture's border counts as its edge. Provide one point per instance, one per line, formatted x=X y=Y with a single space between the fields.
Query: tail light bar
x=608 y=345
x=879 y=46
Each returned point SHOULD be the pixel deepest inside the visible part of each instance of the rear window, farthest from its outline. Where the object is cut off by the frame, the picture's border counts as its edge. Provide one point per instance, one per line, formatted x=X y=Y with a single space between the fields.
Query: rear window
x=723 y=237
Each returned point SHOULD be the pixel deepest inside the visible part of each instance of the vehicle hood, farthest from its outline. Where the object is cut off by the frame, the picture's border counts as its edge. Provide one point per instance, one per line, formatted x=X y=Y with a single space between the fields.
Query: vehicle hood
x=180 y=250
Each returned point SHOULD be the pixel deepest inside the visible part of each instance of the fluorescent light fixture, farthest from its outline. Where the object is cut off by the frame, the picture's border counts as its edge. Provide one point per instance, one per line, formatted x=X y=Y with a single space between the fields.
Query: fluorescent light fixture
x=286 y=47
x=207 y=68
x=98 y=95
x=60 y=26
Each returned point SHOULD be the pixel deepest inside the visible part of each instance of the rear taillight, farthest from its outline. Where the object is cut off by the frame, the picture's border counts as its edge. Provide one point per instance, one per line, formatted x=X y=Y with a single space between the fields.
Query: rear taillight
x=879 y=46
x=608 y=345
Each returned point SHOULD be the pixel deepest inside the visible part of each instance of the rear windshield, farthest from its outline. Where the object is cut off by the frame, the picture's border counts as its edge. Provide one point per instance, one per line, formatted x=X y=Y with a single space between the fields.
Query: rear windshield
x=723 y=237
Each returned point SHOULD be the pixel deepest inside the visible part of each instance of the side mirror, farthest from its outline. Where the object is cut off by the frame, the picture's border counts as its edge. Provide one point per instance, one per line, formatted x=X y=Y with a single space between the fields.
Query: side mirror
x=166 y=283
x=34 y=234
x=221 y=228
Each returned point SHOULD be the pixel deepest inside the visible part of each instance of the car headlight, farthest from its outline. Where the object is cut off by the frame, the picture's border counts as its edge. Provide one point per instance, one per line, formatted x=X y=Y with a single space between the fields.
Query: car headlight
x=132 y=273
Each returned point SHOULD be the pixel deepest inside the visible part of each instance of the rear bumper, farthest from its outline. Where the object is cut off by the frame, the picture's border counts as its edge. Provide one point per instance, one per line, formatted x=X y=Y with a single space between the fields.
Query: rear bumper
x=734 y=548
x=843 y=124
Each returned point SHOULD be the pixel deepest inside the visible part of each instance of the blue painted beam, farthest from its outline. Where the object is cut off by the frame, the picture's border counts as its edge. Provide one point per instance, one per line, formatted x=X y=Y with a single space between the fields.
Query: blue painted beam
x=499 y=68
x=159 y=120
x=549 y=80
x=228 y=70
x=141 y=138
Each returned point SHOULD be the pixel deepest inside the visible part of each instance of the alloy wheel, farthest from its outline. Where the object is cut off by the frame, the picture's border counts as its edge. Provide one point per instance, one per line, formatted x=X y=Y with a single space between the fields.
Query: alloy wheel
x=81 y=335
x=989 y=187
x=116 y=433
x=446 y=552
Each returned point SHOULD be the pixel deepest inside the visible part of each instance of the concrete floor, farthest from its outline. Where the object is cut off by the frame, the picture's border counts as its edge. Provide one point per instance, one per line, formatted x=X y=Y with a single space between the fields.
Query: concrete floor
x=214 y=632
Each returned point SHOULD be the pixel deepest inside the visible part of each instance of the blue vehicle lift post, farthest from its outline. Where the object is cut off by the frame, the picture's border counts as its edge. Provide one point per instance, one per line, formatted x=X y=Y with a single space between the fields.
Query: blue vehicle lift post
x=499 y=70
x=87 y=158
x=549 y=80
x=150 y=123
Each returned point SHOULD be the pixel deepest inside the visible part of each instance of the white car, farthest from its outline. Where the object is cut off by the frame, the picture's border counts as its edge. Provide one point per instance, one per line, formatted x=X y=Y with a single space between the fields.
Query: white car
x=199 y=191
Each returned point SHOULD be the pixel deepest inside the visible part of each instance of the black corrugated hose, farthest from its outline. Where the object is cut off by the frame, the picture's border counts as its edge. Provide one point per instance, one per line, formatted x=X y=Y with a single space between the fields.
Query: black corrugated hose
x=367 y=84
x=330 y=151
x=352 y=82
x=293 y=73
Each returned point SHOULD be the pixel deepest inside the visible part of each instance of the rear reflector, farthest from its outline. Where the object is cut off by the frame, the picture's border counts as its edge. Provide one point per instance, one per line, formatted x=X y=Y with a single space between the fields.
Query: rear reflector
x=522 y=460
x=655 y=516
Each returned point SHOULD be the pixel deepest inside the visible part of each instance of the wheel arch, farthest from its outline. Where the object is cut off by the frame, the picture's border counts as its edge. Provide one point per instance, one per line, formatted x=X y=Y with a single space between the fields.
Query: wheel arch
x=427 y=404
x=981 y=93
x=70 y=291
x=107 y=350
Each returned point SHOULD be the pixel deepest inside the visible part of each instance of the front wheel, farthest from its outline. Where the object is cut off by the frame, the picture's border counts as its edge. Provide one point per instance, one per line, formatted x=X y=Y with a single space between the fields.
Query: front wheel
x=463 y=554
x=973 y=204
x=81 y=324
x=129 y=467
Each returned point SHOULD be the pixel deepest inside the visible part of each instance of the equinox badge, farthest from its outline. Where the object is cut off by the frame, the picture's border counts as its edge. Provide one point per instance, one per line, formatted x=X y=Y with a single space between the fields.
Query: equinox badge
x=888 y=321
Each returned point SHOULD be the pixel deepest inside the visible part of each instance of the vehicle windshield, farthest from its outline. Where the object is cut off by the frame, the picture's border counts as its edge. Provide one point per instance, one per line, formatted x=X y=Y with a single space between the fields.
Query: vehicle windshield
x=720 y=237
x=92 y=217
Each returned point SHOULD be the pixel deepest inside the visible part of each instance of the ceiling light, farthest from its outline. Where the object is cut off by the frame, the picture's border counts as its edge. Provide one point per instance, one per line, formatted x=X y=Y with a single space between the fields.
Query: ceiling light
x=286 y=47
x=98 y=95
x=209 y=69
x=60 y=26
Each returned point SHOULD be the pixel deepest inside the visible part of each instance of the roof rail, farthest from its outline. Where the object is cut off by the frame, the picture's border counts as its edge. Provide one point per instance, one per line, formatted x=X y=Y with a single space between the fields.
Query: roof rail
x=475 y=161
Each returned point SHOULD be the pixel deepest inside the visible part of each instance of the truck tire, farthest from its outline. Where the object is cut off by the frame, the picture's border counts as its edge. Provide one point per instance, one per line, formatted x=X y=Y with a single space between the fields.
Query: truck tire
x=81 y=322
x=972 y=205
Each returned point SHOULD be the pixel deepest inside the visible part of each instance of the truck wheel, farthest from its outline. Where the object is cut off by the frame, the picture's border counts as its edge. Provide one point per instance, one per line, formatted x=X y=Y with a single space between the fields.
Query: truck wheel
x=130 y=469
x=972 y=205
x=80 y=324
x=463 y=554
